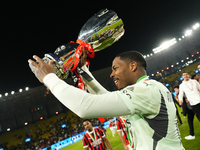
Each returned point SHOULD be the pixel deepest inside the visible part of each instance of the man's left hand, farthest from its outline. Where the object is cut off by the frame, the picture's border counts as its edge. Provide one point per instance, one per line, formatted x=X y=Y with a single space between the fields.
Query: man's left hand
x=40 y=68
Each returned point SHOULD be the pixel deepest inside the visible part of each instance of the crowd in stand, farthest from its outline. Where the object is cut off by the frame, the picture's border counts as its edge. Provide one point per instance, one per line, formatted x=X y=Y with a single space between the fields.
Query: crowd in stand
x=56 y=131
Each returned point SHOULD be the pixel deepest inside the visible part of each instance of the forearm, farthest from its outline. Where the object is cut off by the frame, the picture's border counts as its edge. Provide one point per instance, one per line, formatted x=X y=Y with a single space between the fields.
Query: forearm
x=84 y=104
x=121 y=138
x=107 y=143
x=93 y=86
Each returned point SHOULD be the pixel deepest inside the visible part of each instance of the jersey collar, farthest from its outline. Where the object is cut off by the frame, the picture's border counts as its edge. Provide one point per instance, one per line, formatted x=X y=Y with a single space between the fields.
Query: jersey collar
x=143 y=77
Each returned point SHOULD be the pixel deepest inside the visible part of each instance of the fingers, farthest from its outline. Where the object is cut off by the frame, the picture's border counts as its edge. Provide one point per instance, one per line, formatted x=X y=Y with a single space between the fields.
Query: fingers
x=38 y=59
x=51 y=62
x=33 y=63
x=84 y=52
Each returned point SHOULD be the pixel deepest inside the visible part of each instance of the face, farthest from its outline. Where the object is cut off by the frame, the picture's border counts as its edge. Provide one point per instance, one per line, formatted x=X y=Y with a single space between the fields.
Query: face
x=122 y=73
x=88 y=126
x=198 y=67
x=176 y=90
x=186 y=76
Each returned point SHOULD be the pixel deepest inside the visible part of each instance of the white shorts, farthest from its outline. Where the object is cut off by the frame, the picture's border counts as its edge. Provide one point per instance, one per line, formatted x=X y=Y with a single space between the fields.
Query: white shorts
x=113 y=129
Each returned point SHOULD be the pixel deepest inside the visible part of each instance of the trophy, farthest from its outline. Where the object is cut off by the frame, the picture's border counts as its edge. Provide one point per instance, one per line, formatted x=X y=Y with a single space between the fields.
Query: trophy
x=99 y=32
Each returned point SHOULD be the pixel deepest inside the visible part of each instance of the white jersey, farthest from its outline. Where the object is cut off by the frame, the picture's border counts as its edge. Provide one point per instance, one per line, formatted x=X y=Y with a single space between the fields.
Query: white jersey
x=153 y=116
x=147 y=105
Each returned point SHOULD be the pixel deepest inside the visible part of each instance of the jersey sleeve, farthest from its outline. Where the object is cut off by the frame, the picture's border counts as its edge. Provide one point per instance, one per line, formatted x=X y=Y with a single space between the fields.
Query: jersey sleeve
x=94 y=87
x=85 y=143
x=84 y=104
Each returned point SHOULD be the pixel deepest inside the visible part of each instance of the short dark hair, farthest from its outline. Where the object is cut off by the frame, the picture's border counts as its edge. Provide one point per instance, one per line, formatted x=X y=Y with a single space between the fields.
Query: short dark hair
x=184 y=72
x=176 y=86
x=86 y=120
x=192 y=77
x=133 y=56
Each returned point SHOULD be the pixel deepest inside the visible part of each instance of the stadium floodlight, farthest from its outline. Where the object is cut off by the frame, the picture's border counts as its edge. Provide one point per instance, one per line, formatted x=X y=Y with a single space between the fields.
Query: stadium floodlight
x=195 y=26
x=152 y=75
x=144 y=56
x=147 y=55
x=172 y=66
x=183 y=37
x=182 y=60
x=26 y=123
x=165 y=45
x=8 y=129
x=26 y=88
x=151 y=54
x=188 y=32
x=20 y=90
x=179 y=39
x=6 y=94
x=0 y=95
x=177 y=63
x=12 y=92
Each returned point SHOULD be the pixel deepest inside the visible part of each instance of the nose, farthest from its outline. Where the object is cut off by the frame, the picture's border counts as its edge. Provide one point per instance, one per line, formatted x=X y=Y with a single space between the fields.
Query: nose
x=112 y=74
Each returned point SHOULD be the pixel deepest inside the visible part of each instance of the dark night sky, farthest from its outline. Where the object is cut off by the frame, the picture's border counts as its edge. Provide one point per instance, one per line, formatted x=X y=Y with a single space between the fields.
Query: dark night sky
x=32 y=27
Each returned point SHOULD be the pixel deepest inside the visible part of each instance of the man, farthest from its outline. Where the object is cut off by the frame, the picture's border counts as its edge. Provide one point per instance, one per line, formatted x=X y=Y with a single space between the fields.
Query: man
x=196 y=77
x=191 y=89
x=147 y=104
x=122 y=129
x=187 y=111
x=94 y=138
x=112 y=127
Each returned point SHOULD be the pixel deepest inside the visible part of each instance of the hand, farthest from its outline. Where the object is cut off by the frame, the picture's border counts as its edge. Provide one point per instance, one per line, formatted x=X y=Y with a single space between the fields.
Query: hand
x=83 y=57
x=126 y=147
x=41 y=69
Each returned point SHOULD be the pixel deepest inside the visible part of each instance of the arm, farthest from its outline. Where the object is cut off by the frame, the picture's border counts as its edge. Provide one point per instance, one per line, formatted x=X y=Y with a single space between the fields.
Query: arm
x=198 y=85
x=122 y=140
x=87 y=148
x=180 y=96
x=84 y=104
x=80 y=102
x=107 y=143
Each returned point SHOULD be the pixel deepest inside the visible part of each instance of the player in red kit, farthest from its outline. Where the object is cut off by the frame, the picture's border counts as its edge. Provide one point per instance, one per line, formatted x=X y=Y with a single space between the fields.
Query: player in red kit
x=94 y=138
x=126 y=138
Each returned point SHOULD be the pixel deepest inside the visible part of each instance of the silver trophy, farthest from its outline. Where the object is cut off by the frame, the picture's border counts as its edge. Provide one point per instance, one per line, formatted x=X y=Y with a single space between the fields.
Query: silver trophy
x=99 y=32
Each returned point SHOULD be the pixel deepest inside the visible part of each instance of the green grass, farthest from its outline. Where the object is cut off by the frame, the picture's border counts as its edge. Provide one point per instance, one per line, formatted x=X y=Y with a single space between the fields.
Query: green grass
x=184 y=130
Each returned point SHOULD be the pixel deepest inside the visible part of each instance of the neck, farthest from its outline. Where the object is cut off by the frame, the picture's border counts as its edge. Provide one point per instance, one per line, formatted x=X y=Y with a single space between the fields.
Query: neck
x=139 y=75
x=90 y=130
x=186 y=79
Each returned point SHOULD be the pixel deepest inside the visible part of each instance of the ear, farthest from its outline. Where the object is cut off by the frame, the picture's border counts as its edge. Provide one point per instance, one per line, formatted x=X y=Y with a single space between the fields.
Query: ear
x=133 y=66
